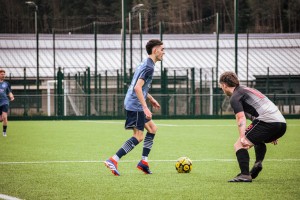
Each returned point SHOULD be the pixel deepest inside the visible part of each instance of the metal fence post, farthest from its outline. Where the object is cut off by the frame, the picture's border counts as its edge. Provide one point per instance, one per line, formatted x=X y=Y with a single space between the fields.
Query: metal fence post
x=85 y=91
x=175 y=96
x=193 y=106
x=88 y=91
x=201 y=98
x=106 y=92
x=60 y=100
x=187 y=93
x=25 y=94
x=100 y=97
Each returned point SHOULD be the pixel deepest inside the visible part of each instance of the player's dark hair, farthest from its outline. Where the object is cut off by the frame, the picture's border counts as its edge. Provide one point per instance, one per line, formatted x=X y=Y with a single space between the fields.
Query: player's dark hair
x=2 y=70
x=152 y=43
x=230 y=79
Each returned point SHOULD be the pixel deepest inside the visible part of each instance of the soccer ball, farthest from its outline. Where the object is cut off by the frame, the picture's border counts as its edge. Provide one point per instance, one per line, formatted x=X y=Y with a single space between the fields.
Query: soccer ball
x=183 y=165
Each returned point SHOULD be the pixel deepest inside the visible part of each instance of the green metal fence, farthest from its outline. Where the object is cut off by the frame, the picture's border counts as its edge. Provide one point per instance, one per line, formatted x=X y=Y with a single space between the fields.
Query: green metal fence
x=96 y=86
x=191 y=94
x=111 y=105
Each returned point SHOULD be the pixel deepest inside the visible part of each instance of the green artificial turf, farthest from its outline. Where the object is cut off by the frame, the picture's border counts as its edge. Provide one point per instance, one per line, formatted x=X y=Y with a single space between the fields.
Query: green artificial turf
x=64 y=160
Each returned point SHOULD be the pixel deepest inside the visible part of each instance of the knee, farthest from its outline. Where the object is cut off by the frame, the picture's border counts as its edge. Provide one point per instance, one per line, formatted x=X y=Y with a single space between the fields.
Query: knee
x=237 y=145
x=140 y=139
x=139 y=136
x=4 y=119
x=154 y=129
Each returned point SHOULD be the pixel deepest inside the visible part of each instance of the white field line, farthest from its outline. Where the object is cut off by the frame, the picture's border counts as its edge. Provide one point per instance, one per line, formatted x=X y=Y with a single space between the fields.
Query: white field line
x=6 y=197
x=175 y=125
x=131 y=161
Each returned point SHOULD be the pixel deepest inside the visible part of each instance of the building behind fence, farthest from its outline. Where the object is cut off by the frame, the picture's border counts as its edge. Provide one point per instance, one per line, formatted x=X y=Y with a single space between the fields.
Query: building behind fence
x=83 y=75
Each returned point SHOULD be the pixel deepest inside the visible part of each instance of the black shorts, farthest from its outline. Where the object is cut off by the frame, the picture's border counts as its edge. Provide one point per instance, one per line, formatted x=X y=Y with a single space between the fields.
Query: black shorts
x=262 y=132
x=3 y=108
x=135 y=119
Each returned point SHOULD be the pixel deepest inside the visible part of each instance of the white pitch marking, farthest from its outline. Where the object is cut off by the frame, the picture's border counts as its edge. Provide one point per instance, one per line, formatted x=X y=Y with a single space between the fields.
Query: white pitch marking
x=130 y=161
x=194 y=125
x=6 y=197
x=176 y=125
x=184 y=125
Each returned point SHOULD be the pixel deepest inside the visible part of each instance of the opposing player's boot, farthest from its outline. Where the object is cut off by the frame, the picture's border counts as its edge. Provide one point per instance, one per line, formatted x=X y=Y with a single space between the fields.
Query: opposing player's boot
x=144 y=166
x=4 y=134
x=112 y=165
x=257 y=167
x=241 y=178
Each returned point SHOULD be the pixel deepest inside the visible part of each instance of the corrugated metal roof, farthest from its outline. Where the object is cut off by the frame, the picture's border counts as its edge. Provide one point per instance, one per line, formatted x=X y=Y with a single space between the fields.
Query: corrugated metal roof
x=279 y=52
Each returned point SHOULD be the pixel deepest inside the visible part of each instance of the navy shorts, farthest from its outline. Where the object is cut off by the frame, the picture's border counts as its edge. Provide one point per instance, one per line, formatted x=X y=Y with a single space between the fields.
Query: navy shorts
x=135 y=119
x=262 y=132
x=3 y=108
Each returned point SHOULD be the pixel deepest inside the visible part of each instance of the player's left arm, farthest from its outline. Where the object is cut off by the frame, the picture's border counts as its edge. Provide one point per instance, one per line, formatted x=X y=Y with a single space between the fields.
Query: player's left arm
x=153 y=102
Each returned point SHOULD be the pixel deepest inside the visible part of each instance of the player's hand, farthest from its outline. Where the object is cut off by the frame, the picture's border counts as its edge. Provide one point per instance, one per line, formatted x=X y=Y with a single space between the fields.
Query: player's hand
x=12 y=98
x=155 y=104
x=275 y=142
x=147 y=112
x=245 y=143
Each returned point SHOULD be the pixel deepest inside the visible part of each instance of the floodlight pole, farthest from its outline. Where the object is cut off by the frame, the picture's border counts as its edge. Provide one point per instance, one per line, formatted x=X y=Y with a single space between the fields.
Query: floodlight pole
x=217 y=56
x=130 y=37
x=137 y=8
x=124 y=2
x=141 y=37
x=31 y=3
x=236 y=30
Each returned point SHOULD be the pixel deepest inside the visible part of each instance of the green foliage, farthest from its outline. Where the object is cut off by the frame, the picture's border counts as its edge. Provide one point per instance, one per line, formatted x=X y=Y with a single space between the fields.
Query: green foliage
x=63 y=160
x=258 y=16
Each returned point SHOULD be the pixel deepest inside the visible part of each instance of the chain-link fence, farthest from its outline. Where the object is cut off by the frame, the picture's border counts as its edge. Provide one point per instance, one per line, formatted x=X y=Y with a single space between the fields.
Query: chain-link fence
x=96 y=69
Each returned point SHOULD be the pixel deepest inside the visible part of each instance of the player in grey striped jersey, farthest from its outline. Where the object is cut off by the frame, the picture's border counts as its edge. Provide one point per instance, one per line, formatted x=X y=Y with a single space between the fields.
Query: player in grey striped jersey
x=268 y=124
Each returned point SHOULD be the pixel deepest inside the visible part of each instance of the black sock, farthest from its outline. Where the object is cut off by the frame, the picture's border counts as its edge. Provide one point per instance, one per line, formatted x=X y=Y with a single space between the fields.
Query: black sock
x=243 y=159
x=4 y=128
x=260 y=151
x=148 y=142
x=127 y=147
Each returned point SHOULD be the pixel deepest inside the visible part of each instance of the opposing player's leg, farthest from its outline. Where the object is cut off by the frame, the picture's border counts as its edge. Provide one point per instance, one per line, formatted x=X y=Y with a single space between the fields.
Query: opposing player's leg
x=1 y=119
x=243 y=159
x=148 y=143
x=260 y=152
x=260 y=134
x=4 y=110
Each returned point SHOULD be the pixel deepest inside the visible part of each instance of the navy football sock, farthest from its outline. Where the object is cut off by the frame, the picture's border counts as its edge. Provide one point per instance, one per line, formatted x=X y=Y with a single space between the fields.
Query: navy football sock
x=148 y=143
x=4 y=128
x=127 y=147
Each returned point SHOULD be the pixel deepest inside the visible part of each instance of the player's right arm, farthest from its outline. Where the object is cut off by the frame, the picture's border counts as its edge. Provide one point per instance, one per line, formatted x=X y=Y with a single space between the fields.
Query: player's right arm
x=240 y=117
x=153 y=102
x=9 y=92
x=11 y=96
x=139 y=93
x=241 y=123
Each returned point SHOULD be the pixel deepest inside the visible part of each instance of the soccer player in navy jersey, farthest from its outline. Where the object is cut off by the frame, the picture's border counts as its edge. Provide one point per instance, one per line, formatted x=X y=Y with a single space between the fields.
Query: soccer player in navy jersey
x=267 y=125
x=138 y=115
x=5 y=92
